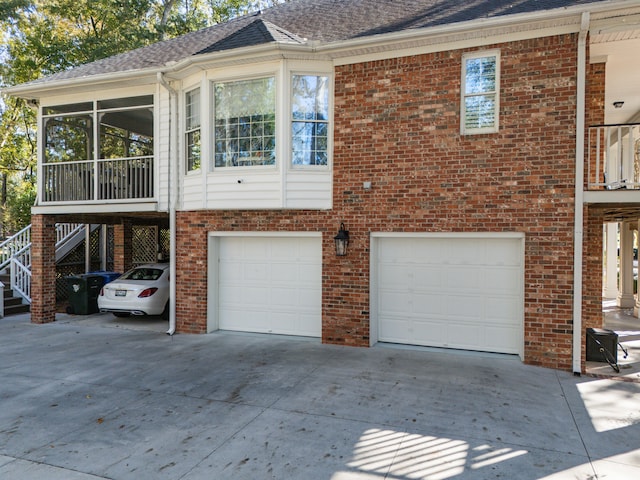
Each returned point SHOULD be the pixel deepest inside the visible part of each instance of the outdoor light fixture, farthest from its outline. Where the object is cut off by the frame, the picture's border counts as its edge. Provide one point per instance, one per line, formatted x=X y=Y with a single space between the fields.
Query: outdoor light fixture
x=618 y=104
x=342 y=241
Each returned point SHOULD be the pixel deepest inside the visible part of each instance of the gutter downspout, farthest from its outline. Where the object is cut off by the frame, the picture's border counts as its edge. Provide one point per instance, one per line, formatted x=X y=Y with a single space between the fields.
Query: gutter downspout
x=579 y=195
x=173 y=188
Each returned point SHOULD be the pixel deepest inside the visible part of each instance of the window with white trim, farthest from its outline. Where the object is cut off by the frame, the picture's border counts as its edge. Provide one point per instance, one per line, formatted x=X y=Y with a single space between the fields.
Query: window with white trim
x=309 y=119
x=480 y=101
x=245 y=123
x=192 y=129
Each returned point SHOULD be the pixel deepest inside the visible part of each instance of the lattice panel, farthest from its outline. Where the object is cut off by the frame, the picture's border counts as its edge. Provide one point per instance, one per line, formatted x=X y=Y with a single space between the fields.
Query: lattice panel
x=145 y=244
x=165 y=243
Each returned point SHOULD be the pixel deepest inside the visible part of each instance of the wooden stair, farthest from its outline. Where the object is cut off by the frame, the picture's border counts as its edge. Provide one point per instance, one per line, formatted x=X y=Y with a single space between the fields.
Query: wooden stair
x=12 y=304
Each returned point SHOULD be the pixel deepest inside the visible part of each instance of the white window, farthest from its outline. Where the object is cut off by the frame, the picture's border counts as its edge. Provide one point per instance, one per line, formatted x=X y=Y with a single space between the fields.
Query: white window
x=309 y=120
x=245 y=123
x=480 y=102
x=192 y=129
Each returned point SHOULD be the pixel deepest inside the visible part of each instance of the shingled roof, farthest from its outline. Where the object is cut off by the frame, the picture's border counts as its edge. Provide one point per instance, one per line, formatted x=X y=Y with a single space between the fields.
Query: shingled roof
x=317 y=21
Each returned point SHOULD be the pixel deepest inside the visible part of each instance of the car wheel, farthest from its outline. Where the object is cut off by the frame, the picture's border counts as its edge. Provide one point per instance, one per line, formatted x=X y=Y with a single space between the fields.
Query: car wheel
x=121 y=314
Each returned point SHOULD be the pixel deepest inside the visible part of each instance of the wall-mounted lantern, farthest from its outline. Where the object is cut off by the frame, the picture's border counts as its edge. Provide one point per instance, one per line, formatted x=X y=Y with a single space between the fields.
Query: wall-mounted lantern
x=342 y=241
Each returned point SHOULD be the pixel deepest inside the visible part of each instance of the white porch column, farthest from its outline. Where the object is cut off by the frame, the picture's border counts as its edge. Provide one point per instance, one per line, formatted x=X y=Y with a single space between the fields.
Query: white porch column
x=611 y=255
x=625 y=295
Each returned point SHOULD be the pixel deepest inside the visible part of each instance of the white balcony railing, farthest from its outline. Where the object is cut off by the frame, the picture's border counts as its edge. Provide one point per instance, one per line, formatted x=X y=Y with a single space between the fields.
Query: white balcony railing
x=614 y=157
x=98 y=180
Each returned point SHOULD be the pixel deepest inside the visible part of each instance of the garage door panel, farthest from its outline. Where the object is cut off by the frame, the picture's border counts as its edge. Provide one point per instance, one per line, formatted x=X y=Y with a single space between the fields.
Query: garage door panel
x=498 y=339
x=270 y=284
x=251 y=248
x=465 y=336
x=255 y=272
x=425 y=304
x=308 y=298
x=231 y=271
x=309 y=273
x=283 y=272
x=430 y=333
x=461 y=278
x=243 y=295
x=394 y=324
x=451 y=291
x=427 y=277
x=501 y=280
x=281 y=297
x=394 y=275
x=395 y=303
x=503 y=252
x=464 y=309
x=502 y=309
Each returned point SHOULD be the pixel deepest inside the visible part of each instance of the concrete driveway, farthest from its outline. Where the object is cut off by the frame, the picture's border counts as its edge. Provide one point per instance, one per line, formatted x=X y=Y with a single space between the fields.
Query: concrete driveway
x=82 y=400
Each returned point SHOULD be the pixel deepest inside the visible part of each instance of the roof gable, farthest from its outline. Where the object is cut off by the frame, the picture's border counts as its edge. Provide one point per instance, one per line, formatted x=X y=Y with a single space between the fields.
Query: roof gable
x=257 y=32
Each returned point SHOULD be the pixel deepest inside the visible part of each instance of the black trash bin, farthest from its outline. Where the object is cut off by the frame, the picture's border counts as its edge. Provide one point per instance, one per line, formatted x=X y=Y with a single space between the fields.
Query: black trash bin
x=608 y=339
x=83 y=293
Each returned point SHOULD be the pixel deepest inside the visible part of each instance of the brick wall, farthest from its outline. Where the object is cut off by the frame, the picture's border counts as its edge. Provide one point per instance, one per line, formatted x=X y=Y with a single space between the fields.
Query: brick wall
x=43 y=268
x=397 y=124
x=122 y=246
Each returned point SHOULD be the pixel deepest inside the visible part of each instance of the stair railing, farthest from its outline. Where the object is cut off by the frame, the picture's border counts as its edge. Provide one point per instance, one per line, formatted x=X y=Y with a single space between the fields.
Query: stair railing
x=21 y=275
x=15 y=253
x=14 y=244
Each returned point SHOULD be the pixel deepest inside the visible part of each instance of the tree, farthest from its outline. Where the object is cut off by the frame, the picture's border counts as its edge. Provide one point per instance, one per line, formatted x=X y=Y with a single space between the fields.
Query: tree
x=42 y=37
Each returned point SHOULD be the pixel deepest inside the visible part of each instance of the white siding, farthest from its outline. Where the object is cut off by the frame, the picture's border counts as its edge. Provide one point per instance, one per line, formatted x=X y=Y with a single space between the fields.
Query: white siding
x=192 y=198
x=244 y=189
x=306 y=189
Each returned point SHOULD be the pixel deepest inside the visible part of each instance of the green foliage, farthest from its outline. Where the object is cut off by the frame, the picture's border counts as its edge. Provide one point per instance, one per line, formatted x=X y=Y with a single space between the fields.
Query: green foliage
x=42 y=37
x=17 y=213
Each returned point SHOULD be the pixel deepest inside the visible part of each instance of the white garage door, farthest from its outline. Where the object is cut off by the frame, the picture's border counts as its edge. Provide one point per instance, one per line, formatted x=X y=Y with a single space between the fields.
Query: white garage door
x=270 y=284
x=453 y=292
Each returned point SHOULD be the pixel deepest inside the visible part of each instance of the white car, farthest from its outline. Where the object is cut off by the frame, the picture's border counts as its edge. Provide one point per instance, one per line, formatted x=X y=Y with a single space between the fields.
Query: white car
x=143 y=290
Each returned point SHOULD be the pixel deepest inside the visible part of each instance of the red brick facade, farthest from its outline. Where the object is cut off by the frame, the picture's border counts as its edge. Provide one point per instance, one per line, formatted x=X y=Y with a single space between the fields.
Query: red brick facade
x=43 y=269
x=122 y=246
x=397 y=125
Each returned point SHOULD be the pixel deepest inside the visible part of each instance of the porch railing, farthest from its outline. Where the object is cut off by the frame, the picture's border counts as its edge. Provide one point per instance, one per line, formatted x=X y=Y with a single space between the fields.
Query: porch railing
x=613 y=157
x=98 y=180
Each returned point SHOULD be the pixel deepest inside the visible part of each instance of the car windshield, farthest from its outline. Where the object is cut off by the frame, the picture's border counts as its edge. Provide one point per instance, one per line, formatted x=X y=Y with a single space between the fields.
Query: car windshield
x=143 y=274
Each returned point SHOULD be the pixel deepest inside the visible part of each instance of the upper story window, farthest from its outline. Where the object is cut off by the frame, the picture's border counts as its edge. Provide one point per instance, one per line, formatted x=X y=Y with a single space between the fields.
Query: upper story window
x=480 y=92
x=123 y=126
x=309 y=120
x=192 y=129
x=245 y=123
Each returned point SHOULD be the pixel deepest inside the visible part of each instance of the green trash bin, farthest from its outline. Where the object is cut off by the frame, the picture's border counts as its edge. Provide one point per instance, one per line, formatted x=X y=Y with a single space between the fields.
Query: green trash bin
x=83 y=293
